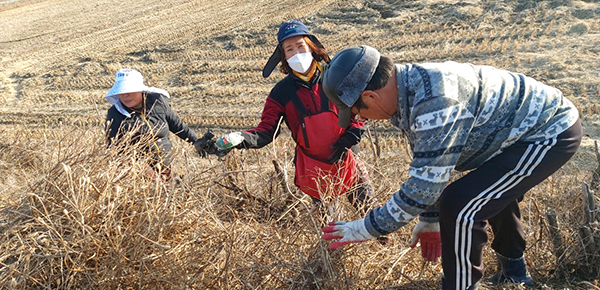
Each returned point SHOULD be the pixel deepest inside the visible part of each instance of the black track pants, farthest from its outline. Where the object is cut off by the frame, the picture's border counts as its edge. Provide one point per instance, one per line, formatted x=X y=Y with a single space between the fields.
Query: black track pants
x=491 y=193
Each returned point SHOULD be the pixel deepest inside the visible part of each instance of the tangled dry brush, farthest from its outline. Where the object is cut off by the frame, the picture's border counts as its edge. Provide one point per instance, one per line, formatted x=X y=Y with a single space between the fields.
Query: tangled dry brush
x=92 y=218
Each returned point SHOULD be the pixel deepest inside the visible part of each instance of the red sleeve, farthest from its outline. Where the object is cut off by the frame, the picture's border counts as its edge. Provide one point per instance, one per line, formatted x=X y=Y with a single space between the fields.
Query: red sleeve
x=264 y=133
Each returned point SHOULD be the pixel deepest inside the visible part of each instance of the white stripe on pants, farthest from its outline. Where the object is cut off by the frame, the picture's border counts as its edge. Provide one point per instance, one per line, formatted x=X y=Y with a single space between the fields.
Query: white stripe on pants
x=464 y=223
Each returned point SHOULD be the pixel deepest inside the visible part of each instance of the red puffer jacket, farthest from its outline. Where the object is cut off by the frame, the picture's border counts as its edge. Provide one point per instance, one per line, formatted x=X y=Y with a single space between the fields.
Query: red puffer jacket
x=314 y=144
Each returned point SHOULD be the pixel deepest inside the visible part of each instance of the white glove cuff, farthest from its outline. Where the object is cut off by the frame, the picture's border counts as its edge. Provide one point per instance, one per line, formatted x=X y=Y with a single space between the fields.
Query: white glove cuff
x=427 y=227
x=358 y=231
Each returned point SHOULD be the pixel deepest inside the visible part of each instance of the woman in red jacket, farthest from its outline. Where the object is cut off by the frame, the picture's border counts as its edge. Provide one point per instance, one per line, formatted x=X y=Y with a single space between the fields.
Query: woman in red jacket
x=325 y=152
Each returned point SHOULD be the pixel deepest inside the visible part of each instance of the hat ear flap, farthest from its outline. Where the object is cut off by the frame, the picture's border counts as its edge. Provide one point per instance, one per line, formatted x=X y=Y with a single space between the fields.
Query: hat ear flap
x=315 y=41
x=272 y=62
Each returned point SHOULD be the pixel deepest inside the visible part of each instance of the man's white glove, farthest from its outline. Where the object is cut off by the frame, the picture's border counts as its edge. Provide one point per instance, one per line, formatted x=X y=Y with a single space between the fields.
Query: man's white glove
x=429 y=236
x=229 y=141
x=347 y=232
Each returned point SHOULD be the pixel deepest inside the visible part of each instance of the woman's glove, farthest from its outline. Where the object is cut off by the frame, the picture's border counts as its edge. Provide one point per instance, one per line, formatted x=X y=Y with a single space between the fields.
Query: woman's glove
x=347 y=232
x=205 y=145
x=347 y=140
x=429 y=236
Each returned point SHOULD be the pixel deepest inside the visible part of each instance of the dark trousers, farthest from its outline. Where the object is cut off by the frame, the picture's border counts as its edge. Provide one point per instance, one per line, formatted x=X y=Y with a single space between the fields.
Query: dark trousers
x=491 y=193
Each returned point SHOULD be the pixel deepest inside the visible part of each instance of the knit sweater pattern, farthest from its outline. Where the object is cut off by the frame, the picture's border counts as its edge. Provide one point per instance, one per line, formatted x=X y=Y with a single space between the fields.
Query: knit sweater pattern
x=456 y=116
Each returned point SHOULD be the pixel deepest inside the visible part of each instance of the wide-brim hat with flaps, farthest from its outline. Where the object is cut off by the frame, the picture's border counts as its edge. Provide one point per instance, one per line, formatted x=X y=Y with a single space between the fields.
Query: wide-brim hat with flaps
x=127 y=81
x=287 y=30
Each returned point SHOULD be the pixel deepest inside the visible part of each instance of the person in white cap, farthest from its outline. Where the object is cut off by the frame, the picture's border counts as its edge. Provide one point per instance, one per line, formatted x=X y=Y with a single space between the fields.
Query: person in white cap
x=509 y=131
x=325 y=152
x=147 y=111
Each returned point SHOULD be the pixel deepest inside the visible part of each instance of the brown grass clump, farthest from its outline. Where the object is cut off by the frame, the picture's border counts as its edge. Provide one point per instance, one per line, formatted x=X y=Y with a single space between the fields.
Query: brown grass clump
x=93 y=218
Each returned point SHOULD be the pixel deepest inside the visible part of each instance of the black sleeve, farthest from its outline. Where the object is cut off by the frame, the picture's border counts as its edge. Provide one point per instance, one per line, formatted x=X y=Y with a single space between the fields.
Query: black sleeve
x=112 y=124
x=177 y=126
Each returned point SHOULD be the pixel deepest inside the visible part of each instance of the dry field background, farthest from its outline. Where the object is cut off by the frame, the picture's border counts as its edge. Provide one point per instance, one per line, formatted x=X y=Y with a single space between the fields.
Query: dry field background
x=74 y=215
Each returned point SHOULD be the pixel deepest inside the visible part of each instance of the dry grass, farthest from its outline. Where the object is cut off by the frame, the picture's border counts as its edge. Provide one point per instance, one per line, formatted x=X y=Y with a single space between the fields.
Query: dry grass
x=75 y=215
x=86 y=217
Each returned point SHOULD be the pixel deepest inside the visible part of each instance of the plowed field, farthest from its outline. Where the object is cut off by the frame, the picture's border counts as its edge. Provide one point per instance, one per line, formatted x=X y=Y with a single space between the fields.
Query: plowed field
x=58 y=59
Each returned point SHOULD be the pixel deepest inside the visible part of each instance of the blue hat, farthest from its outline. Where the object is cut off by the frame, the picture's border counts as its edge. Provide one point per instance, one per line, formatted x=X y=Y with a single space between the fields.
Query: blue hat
x=286 y=30
x=289 y=29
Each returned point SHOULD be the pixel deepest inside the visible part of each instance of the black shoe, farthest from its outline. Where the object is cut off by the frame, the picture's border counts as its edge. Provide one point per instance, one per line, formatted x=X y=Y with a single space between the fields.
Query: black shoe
x=511 y=271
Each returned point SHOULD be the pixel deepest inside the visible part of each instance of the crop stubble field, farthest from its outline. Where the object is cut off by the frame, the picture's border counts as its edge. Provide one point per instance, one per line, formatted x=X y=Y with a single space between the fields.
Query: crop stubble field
x=73 y=215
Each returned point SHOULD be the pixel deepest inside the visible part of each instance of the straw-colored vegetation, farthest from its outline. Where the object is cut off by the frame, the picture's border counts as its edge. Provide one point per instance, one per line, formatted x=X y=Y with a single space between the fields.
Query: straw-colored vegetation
x=77 y=215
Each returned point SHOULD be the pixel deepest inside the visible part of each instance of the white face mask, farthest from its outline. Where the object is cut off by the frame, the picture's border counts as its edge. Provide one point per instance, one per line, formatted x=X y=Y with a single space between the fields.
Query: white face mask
x=300 y=62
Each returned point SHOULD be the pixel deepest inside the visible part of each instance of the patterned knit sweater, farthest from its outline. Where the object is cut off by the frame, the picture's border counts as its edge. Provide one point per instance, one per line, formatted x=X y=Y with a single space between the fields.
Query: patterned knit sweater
x=457 y=116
